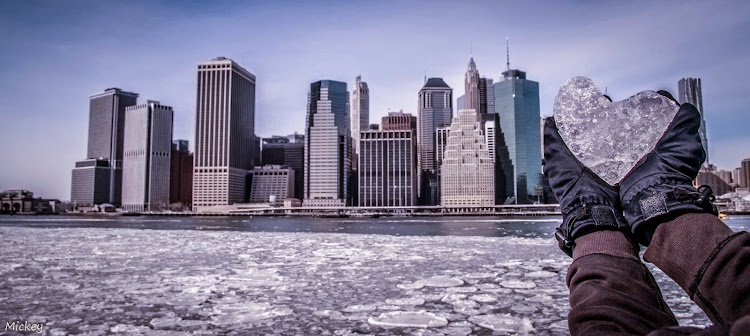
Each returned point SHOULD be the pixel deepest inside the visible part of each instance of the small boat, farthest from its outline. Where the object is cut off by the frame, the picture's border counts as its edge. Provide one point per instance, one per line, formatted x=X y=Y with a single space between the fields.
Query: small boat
x=722 y=215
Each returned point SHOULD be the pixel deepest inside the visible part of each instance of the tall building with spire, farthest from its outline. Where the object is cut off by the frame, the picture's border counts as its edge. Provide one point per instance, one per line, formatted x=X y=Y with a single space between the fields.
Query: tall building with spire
x=517 y=104
x=471 y=87
x=435 y=110
x=328 y=147
x=360 y=110
x=689 y=90
x=225 y=144
x=468 y=170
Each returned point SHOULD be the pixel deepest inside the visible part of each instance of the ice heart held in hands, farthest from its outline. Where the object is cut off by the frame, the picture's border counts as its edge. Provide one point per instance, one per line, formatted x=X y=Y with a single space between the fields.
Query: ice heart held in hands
x=610 y=137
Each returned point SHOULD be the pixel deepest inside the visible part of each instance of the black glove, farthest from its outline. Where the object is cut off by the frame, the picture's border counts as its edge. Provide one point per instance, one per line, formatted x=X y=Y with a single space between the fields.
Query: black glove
x=660 y=187
x=587 y=203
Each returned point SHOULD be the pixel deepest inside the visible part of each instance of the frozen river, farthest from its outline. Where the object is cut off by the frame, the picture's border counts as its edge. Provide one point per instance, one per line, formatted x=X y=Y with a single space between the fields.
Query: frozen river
x=291 y=276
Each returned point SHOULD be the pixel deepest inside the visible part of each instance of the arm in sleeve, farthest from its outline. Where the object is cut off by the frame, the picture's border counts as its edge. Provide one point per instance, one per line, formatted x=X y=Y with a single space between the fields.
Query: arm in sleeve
x=708 y=260
x=611 y=290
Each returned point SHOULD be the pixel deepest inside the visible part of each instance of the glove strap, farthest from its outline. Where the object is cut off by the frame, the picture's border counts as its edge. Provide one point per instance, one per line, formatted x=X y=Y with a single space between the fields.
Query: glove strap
x=660 y=202
x=598 y=216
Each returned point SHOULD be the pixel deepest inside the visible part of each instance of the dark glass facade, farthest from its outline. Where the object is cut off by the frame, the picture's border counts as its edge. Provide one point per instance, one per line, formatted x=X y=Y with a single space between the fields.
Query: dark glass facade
x=106 y=136
x=181 y=174
x=517 y=104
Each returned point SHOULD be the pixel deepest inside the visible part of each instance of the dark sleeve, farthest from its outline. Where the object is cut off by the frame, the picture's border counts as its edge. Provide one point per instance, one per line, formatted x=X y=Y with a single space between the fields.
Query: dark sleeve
x=611 y=290
x=708 y=260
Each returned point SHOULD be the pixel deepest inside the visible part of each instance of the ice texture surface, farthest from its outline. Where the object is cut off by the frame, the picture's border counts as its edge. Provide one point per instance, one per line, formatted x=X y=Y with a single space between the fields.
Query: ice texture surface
x=505 y=322
x=192 y=282
x=409 y=319
x=610 y=137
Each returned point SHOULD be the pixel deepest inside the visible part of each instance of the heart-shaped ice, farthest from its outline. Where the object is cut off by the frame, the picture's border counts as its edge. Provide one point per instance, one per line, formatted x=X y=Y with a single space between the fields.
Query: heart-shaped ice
x=610 y=137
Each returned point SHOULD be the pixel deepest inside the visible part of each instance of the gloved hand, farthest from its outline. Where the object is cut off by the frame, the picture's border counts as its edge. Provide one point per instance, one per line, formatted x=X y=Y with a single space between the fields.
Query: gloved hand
x=660 y=187
x=588 y=204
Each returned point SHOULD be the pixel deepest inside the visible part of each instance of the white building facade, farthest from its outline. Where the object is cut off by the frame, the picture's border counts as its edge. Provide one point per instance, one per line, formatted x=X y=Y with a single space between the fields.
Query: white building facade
x=224 y=137
x=489 y=137
x=467 y=172
x=146 y=157
x=328 y=147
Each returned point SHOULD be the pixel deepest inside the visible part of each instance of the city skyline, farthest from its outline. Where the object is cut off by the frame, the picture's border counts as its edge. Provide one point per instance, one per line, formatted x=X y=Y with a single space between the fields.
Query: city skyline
x=80 y=54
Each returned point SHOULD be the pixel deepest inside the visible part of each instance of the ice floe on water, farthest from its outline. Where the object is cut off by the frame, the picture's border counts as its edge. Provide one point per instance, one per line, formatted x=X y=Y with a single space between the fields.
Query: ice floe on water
x=419 y=319
x=414 y=285
x=540 y=274
x=441 y=281
x=406 y=301
x=517 y=284
x=483 y=298
x=523 y=309
x=165 y=322
x=503 y=322
x=360 y=308
x=461 y=289
x=480 y=275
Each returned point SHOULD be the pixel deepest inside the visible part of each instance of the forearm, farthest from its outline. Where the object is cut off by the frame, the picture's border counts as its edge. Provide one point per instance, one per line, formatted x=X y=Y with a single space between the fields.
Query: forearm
x=708 y=260
x=611 y=290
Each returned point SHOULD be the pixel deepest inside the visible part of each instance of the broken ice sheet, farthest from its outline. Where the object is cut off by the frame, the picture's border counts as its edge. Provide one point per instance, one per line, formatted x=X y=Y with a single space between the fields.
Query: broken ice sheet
x=419 y=319
x=503 y=323
x=610 y=137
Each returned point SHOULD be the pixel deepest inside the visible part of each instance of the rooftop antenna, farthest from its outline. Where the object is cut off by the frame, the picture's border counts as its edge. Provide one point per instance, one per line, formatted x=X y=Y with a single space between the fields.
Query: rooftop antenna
x=507 y=53
x=425 y=76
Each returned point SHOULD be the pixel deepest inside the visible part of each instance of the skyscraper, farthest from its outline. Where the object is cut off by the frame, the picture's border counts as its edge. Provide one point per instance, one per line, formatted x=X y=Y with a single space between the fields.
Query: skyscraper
x=328 y=145
x=181 y=174
x=737 y=177
x=486 y=96
x=517 y=104
x=441 y=141
x=468 y=171
x=744 y=174
x=388 y=163
x=147 y=152
x=360 y=110
x=224 y=133
x=495 y=140
x=435 y=110
x=287 y=151
x=471 y=87
x=690 y=92
x=105 y=141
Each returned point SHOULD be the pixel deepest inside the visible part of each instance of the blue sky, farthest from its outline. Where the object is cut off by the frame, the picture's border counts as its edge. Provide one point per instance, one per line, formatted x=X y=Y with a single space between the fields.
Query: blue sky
x=57 y=53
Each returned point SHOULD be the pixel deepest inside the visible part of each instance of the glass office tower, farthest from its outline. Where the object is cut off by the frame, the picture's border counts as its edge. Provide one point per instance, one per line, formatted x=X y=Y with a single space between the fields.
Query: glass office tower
x=517 y=104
